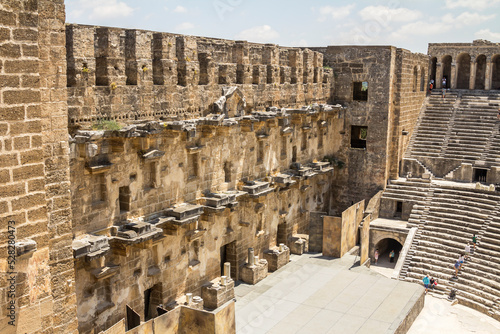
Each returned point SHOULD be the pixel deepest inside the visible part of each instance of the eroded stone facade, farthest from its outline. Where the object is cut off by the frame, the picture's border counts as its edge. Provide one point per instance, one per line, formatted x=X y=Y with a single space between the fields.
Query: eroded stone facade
x=183 y=153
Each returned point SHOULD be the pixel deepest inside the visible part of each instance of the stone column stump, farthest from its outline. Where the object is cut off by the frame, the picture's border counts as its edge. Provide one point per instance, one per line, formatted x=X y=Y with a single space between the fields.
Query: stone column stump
x=254 y=274
x=277 y=259
x=299 y=244
x=215 y=294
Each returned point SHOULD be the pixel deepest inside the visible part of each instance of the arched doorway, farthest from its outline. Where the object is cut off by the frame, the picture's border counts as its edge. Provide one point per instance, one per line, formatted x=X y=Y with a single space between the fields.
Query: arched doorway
x=480 y=72
x=385 y=246
x=463 y=71
x=495 y=77
x=446 y=64
x=433 y=70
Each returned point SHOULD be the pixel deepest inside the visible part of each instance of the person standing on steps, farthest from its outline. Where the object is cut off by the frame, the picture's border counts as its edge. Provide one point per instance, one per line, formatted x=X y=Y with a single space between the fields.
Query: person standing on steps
x=461 y=259
x=474 y=241
x=467 y=252
x=443 y=82
x=376 y=256
x=391 y=256
x=426 y=282
x=457 y=267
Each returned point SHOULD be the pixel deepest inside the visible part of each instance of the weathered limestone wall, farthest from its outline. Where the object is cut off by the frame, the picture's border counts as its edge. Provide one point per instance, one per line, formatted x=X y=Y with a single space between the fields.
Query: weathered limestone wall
x=393 y=100
x=473 y=65
x=205 y=159
x=410 y=89
x=366 y=170
x=128 y=75
x=34 y=189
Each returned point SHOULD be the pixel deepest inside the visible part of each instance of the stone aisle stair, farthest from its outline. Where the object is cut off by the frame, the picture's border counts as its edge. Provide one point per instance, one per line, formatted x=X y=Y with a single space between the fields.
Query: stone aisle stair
x=430 y=134
x=454 y=214
x=418 y=218
x=473 y=128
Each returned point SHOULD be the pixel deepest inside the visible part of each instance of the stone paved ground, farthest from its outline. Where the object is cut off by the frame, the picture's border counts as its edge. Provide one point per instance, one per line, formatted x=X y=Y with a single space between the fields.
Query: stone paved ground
x=439 y=317
x=318 y=295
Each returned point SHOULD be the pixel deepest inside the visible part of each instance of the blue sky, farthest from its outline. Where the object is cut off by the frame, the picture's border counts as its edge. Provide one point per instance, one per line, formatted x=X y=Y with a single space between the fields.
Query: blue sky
x=408 y=24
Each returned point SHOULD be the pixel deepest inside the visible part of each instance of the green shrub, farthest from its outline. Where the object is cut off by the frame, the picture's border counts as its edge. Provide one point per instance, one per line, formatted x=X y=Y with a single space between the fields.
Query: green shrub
x=106 y=125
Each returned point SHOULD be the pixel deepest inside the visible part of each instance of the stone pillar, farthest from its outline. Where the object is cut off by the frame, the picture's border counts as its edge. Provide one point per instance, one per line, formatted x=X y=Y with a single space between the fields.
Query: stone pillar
x=227 y=269
x=242 y=60
x=188 y=67
x=270 y=58
x=81 y=58
x=439 y=75
x=164 y=65
x=295 y=58
x=488 y=75
x=143 y=54
x=251 y=257
x=472 y=78
x=453 y=80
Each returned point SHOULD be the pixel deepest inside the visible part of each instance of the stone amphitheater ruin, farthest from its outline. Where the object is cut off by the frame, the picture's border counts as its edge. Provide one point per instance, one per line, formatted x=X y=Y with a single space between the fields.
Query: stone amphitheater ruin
x=144 y=174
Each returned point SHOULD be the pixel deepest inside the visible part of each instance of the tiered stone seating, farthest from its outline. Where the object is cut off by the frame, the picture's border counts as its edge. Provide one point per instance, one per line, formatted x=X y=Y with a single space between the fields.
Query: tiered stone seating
x=407 y=189
x=461 y=126
x=431 y=135
x=454 y=215
x=473 y=126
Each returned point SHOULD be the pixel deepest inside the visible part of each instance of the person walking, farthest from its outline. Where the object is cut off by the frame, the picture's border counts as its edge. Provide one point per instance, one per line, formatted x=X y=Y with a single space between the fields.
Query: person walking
x=461 y=259
x=457 y=267
x=467 y=252
x=474 y=240
x=376 y=256
x=426 y=282
x=391 y=256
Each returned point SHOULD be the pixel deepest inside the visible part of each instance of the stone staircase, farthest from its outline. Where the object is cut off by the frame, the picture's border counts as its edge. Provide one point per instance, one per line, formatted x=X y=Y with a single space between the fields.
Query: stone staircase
x=453 y=214
x=462 y=126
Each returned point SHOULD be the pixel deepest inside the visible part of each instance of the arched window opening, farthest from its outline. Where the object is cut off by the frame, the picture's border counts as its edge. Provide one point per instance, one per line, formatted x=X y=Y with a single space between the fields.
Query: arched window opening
x=480 y=72
x=463 y=71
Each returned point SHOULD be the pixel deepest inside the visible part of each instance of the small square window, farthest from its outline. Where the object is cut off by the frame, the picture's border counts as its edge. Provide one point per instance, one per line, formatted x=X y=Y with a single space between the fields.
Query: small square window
x=360 y=91
x=358 y=136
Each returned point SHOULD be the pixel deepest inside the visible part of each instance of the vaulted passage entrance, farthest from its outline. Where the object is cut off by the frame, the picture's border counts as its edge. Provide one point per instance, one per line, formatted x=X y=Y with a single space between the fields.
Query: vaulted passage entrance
x=463 y=71
x=480 y=72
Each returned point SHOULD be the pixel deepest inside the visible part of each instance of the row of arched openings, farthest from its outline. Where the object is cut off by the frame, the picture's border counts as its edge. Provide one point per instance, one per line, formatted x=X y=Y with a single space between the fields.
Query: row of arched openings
x=463 y=63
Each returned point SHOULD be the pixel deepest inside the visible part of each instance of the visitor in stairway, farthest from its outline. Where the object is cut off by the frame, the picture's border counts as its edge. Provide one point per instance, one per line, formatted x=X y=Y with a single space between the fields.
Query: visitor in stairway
x=467 y=251
x=444 y=82
x=432 y=283
x=376 y=256
x=474 y=241
x=457 y=267
x=391 y=256
x=426 y=282
x=444 y=92
x=461 y=259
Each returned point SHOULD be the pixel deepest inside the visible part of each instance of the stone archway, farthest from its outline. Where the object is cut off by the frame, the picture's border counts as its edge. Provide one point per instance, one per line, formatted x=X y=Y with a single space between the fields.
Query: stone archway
x=433 y=70
x=446 y=64
x=495 y=72
x=385 y=246
x=480 y=72
x=463 y=71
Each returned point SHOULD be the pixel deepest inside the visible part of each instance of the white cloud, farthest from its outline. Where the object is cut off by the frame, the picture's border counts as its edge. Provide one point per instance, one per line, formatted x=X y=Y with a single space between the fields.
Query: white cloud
x=184 y=26
x=487 y=34
x=386 y=14
x=180 y=9
x=472 y=4
x=108 y=9
x=335 y=13
x=469 y=19
x=422 y=28
x=262 y=34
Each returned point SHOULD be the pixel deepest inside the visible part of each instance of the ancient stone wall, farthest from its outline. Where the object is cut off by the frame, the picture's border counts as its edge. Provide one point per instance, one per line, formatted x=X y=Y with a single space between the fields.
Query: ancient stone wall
x=380 y=86
x=366 y=169
x=35 y=204
x=473 y=65
x=114 y=181
x=128 y=75
x=409 y=92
